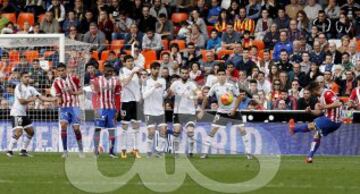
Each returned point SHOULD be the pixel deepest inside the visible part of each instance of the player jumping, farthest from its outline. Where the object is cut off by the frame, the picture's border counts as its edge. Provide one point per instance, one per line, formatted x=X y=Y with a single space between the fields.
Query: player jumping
x=24 y=94
x=154 y=91
x=107 y=88
x=322 y=125
x=225 y=113
x=68 y=88
x=130 y=99
x=184 y=109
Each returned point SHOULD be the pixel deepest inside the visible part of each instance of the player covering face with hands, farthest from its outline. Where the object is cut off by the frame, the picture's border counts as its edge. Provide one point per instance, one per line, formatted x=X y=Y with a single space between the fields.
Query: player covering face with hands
x=21 y=122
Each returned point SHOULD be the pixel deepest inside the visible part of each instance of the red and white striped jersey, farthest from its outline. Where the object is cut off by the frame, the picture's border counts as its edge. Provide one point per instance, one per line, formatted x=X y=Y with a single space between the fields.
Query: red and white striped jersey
x=65 y=88
x=107 y=92
x=329 y=97
x=355 y=95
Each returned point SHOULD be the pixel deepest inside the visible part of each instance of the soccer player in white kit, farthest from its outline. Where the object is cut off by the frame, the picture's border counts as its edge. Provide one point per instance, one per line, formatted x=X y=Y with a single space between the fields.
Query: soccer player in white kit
x=184 y=109
x=154 y=91
x=225 y=113
x=24 y=94
x=131 y=108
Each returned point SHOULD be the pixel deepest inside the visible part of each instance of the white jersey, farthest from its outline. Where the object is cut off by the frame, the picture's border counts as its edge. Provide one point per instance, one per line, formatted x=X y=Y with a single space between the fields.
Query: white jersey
x=220 y=90
x=184 y=103
x=22 y=92
x=154 y=97
x=131 y=91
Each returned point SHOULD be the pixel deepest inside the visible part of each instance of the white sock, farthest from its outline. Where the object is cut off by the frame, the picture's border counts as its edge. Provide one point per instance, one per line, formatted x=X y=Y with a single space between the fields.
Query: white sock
x=191 y=144
x=247 y=146
x=207 y=144
x=135 y=139
x=124 y=139
x=150 y=144
x=162 y=144
x=26 y=141
x=176 y=144
x=12 y=144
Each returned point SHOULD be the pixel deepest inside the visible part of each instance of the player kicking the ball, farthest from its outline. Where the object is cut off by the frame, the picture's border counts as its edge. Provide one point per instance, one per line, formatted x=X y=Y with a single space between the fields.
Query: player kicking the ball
x=67 y=89
x=130 y=109
x=322 y=125
x=226 y=112
x=184 y=109
x=107 y=88
x=154 y=91
x=24 y=94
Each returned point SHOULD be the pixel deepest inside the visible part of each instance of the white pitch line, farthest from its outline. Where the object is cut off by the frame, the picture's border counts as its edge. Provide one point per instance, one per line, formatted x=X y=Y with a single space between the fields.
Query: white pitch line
x=278 y=185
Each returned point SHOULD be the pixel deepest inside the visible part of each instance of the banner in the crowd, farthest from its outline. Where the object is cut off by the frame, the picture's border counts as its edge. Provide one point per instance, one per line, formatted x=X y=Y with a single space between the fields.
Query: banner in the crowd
x=265 y=138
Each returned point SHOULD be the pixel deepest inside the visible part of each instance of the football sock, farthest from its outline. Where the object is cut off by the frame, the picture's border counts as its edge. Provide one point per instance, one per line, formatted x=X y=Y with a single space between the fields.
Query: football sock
x=64 y=138
x=162 y=143
x=26 y=141
x=112 y=140
x=207 y=144
x=314 y=147
x=79 y=139
x=12 y=144
x=97 y=139
x=135 y=138
x=176 y=142
x=124 y=139
x=302 y=128
x=150 y=144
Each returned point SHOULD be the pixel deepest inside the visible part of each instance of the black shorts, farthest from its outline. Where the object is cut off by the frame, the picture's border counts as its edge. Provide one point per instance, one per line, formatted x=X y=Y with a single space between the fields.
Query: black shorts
x=21 y=122
x=222 y=119
x=131 y=111
x=153 y=121
x=184 y=119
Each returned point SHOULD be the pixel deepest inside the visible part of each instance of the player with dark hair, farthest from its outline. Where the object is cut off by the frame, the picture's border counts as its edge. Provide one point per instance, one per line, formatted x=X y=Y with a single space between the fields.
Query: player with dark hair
x=184 y=91
x=107 y=89
x=131 y=107
x=24 y=95
x=154 y=91
x=227 y=112
x=67 y=90
x=331 y=107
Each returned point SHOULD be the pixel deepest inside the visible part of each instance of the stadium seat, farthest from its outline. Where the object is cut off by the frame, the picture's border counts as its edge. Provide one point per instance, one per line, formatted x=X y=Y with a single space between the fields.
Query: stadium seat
x=150 y=56
x=14 y=55
x=261 y=54
x=209 y=28
x=179 y=17
x=10 y=16
x=95 y=55
x=101 y=65
x=222 y=53
x=181 y=43
x=117 y=44
x=30 y=55
x=40 y=18
x=29 y=17
x=105 y=55
x=165 y=44
x=48 y=53
x=259 y=44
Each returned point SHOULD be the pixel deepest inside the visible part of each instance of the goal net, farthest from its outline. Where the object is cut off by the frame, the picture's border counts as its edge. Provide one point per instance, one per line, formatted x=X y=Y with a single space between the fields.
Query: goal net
x=39 y=55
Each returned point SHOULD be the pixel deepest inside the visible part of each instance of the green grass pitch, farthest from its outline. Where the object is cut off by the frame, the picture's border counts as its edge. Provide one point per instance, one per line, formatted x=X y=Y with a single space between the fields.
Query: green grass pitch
x=45 y=173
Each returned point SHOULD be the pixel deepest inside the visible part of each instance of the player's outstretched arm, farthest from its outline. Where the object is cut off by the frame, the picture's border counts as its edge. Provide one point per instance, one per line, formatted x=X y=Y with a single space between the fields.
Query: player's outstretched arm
x=47 y=99
x=27 y=101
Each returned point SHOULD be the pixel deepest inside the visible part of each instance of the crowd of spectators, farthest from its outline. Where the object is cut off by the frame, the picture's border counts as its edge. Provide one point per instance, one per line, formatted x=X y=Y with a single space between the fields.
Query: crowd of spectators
x=271 y=49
